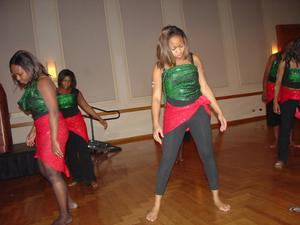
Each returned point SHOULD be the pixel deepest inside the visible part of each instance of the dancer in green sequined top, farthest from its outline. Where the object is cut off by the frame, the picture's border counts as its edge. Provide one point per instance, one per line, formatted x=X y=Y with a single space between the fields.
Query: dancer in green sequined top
x=77 y=152
x=179 y=74
x=269 y=79
x=287 y=92
x=49 y=132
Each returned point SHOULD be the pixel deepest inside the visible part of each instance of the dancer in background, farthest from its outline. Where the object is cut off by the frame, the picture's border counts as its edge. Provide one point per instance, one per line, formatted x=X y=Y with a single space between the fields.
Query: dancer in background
x=269 y=79
x=288 y=83
x=77 y=154
x=49 y=132
x=188 y=97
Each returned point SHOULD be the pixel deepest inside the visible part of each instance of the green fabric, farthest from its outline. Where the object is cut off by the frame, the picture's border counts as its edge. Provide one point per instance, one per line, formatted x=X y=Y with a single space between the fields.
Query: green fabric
x=66 y=101
x=294 y=75
x=291 y=78
x=32 y=101
x=181 y=82
x=274 y=69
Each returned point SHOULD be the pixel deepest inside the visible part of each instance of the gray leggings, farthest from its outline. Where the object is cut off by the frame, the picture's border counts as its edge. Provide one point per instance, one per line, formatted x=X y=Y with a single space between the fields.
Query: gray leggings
x=200 y=129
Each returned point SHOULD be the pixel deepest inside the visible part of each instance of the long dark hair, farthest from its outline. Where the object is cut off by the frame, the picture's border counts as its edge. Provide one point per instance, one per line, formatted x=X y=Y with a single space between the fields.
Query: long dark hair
x=293 y=53
x=163 y=52
x=66 y=73
x=29 y=63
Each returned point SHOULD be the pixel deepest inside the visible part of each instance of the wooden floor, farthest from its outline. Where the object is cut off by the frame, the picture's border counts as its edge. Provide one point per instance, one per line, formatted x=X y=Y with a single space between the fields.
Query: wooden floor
x=258 y=193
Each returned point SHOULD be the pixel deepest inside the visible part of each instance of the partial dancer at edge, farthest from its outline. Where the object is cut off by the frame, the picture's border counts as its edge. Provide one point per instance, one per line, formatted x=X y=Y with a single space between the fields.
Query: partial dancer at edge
x=288 y=84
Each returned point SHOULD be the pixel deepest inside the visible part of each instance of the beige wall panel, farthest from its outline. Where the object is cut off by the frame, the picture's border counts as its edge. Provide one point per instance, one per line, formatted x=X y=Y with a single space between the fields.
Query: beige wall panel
x=142 y=22
x=204 y=32
x=86 y=47
x=278 y=12
x=250 y=39
x=16 y=33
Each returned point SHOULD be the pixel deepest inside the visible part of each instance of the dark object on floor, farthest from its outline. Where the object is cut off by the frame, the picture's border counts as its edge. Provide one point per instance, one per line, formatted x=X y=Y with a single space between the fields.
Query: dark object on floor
x=101 y=147
x=18 y=162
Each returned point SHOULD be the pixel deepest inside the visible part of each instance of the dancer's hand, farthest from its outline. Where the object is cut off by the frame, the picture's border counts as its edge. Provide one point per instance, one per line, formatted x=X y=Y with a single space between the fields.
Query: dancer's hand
x=276 y=108
x=56 y=149
x=30 y=139
x=103 y=123
x=223 y=122
x=158 y=134
x=264 y=96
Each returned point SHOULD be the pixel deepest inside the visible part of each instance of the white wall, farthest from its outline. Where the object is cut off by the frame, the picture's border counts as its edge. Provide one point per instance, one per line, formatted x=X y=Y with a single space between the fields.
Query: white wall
x=110 y=45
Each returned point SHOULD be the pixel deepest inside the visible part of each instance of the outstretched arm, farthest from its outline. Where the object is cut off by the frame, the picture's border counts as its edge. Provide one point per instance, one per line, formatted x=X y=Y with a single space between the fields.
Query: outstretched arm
x=206 y=91
x=48 y=92
x=89 y=110
x=156 y=100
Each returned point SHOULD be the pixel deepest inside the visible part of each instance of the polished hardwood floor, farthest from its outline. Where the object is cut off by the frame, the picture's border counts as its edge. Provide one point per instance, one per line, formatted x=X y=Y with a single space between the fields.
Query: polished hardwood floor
x=258 y=193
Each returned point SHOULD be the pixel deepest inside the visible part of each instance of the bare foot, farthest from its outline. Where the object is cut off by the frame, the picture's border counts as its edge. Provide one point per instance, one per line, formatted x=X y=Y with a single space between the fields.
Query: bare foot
x=279 y=165
x=218 y=203
x=73 y=183
x=222 y=206
x=152 y=215
x=72 y=205
x=94 y=184
x=62 y=220
x=273 y=146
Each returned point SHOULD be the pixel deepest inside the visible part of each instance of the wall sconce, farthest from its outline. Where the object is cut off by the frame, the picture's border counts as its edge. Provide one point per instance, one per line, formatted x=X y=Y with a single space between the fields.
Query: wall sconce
x=51 y=68
x=274 y=48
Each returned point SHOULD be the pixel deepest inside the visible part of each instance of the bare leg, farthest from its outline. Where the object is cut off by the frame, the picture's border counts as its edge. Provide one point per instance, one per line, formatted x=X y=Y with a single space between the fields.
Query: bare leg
x=60 y=191
x=153 y=214
x=275 y=131
x=220 y=205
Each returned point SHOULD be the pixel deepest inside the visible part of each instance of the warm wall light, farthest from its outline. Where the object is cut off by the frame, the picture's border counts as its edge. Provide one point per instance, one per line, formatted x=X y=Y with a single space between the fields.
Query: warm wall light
x=52 y=69
x=274 y=48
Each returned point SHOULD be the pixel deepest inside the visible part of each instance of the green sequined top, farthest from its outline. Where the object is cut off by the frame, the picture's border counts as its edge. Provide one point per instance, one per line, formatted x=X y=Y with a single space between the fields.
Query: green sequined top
x=291 y=78
x=67 y=103
x=274 y=69
x=181 y=83
x=32 y=101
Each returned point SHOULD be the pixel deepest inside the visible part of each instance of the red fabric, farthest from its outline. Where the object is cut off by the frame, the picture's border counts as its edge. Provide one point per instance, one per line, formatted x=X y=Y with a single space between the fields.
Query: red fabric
x=43 y=143
x=287 y=94
x=270 y=91
x=297 y=113
x=77 y=125
x=176 y=115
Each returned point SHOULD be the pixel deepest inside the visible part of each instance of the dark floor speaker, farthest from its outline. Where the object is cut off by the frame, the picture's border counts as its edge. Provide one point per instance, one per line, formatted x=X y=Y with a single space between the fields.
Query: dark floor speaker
x=5 y=128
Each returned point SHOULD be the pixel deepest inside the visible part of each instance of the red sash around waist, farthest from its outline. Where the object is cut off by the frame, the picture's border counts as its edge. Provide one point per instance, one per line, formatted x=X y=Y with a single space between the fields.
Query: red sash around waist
x=177 y=115
x=290 y=94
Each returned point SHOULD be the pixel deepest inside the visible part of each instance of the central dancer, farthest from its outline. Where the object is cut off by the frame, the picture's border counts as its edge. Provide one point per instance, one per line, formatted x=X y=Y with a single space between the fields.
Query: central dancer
x=179 y=74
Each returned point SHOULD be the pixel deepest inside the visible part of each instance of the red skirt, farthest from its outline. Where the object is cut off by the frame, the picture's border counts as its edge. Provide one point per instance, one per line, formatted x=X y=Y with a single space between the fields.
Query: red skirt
x=43 y=143
x=177 y=115
x=77 y=125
